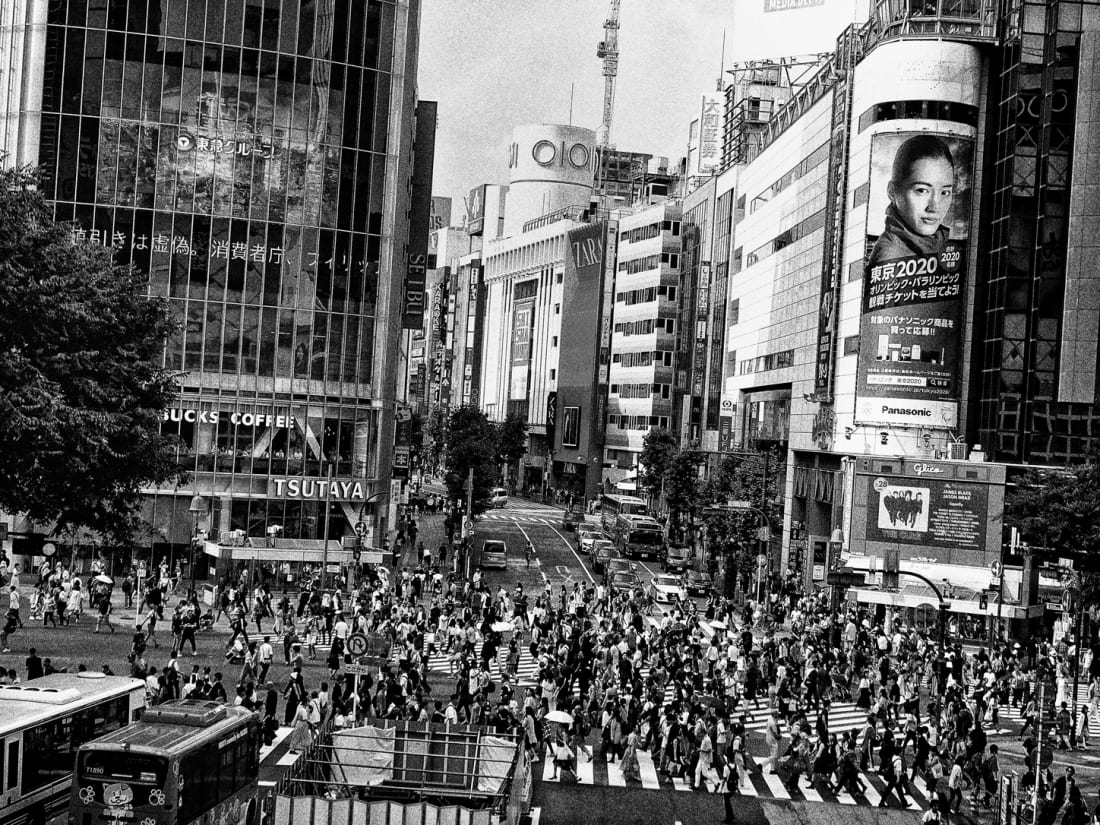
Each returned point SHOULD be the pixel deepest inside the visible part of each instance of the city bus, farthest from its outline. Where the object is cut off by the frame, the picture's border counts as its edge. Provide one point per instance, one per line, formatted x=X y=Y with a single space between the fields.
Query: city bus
x=612 y=506
x=186 y=761
x=637 y=537
x=42 y=723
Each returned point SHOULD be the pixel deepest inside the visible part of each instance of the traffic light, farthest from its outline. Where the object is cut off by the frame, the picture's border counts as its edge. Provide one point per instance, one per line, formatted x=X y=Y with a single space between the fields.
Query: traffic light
x=983 y=601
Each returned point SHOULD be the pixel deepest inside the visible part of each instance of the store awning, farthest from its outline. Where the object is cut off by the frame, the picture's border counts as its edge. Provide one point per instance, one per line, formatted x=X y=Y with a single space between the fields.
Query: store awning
x=966 y=606
x=292 y=550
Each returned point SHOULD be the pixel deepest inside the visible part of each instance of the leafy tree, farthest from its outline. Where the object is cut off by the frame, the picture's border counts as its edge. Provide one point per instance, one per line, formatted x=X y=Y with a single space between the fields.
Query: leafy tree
x=682 y=488
x=735 y=532
x=659 y=448
x=1058 y=514
x=471 y=444
x=82 y=394
x=1058 y=509
x=511 y=439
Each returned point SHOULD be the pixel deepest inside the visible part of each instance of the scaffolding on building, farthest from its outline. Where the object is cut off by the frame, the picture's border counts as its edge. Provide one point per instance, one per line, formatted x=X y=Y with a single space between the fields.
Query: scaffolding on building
x=395 y=771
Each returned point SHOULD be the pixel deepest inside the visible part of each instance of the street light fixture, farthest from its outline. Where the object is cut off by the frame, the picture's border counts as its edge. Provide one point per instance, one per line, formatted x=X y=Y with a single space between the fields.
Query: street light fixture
x=196 y=508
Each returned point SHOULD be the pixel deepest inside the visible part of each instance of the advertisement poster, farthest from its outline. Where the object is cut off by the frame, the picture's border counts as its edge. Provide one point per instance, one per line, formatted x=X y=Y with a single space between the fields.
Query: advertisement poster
x=523 y=323
x=929 y=513
x=914 y=288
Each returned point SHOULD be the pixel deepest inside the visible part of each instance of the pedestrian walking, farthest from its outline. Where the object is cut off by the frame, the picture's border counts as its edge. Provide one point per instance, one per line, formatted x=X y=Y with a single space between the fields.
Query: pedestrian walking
x=103 y=615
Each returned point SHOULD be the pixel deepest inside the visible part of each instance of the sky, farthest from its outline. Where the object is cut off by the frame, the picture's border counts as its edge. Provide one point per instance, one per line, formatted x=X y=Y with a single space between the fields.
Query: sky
x=495 y=64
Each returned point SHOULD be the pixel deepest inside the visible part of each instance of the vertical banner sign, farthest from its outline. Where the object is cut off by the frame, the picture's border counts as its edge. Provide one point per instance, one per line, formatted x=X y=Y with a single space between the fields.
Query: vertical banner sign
x=699 y=356
x=523 y=325
x=725 y=433
x=914 y=285
x=710 y=133
x=551 y=416
x=475 y=211
x=835 y=211
x=416 y=285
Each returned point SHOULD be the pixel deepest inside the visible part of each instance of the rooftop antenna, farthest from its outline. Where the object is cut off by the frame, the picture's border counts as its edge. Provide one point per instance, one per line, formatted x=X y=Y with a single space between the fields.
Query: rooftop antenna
x=722 y=63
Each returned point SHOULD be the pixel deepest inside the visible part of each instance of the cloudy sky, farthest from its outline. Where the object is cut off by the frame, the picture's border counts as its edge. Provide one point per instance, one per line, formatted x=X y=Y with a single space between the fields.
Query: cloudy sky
x=493 y=64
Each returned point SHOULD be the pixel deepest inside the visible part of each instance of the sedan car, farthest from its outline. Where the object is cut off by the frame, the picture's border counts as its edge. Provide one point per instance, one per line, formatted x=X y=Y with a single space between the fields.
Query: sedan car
x=586 y=537
x=698 y=583
x=602 y=552
x=678 y=558
x=624 y=581
x=666 y=589
x=617 y=563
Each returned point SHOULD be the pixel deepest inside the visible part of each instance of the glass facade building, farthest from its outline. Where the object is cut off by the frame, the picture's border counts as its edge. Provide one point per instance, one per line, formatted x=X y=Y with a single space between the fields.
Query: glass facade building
x=253 y=157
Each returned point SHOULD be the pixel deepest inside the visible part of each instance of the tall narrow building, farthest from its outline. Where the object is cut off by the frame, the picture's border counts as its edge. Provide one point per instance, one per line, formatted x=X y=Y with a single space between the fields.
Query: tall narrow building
x=254 y=158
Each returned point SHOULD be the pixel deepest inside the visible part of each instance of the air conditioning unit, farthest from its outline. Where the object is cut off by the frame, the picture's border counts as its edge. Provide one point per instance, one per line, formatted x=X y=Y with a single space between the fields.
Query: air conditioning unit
x=225 y=537
x=957 y=450
x=239 y=537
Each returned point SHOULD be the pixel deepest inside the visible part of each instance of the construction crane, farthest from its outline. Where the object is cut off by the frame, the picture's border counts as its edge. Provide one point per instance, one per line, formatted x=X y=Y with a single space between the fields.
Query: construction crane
x=608 y=49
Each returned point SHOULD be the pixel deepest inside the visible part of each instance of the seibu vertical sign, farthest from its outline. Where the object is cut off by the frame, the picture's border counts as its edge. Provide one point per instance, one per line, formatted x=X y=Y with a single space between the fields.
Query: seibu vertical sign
x=416 y=285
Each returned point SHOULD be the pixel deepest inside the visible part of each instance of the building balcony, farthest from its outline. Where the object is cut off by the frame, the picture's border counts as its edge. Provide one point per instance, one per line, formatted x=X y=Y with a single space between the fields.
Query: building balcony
x=957 y=19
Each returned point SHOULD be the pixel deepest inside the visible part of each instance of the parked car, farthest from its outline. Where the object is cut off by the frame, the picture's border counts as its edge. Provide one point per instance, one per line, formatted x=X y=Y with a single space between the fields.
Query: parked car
x=499 y=497
x=678 y=557
x=494 y=553
x=697 y=583
x=624 y=581
x=666 y=589
x=602 y=552
x=586 y=537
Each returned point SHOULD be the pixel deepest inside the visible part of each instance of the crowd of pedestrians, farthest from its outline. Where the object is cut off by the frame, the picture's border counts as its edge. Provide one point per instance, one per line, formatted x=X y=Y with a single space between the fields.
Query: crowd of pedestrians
x=612 y=678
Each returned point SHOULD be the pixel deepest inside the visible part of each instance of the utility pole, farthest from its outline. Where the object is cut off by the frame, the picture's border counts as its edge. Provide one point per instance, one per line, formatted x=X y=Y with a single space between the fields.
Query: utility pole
x=1078 y=640
x=324 y=531
x=467 y=538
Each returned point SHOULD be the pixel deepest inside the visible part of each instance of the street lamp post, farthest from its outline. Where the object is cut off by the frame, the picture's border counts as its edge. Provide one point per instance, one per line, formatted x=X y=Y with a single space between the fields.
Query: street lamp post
x=196 y=508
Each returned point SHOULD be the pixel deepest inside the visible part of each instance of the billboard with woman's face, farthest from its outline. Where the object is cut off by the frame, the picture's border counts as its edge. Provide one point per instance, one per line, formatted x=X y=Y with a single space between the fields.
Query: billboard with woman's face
x=914 y=291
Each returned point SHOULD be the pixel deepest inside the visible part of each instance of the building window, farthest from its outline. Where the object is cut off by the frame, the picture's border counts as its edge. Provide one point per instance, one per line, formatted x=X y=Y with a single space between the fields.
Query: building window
x=851 y=345
x=571 y=427
x=735 y=311
x=557 y=309
x=553 y=374
x=860 y=196
x=554 y=341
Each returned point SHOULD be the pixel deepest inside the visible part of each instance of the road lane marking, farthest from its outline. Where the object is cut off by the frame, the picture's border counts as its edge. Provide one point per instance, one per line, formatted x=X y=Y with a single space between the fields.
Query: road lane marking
x=648 y=770
x=615 y=778
x=573 y=550
x=585 y=770
x=779 y=791
x=810 y=792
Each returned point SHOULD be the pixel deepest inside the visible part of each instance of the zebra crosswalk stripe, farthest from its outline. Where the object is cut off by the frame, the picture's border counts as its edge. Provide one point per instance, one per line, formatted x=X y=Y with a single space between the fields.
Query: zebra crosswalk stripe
x=764 y=785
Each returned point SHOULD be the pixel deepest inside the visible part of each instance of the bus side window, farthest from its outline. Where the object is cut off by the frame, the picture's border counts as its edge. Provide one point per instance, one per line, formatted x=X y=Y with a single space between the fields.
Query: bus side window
x=13 y=765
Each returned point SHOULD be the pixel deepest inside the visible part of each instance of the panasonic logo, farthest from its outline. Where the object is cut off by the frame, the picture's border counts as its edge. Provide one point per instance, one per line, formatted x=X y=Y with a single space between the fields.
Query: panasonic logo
x=905 y=411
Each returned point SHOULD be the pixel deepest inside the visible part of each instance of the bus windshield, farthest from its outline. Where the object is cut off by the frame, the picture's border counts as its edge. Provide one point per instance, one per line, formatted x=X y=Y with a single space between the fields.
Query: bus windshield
x=120 y=780
x=645 y=537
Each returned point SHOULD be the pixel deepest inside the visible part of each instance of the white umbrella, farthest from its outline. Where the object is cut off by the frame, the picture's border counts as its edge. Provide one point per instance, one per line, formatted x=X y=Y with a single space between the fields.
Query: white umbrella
x=102 y=577
x=559 y=716
x=501 y=627
x=718 y=624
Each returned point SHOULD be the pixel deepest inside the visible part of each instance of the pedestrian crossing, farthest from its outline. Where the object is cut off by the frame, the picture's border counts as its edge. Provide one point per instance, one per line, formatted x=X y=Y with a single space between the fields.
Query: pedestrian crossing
x=596 y=771
x=509 y=516
x=842 y=715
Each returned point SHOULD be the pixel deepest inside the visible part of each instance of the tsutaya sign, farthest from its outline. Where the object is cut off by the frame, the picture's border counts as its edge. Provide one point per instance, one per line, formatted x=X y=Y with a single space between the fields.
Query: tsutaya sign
x=316 y=489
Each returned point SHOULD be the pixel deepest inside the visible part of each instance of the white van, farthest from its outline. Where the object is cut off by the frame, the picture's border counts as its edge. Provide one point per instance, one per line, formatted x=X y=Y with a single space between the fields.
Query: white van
x=499 y=497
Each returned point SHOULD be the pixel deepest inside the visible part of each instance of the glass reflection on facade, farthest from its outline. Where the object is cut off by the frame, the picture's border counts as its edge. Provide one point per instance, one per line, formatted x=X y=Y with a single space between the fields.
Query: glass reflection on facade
x=237 y=151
